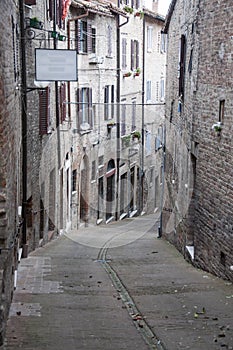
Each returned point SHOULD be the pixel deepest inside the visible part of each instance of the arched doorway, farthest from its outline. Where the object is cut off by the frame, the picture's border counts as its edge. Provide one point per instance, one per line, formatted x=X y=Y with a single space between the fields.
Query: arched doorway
x=110 y=192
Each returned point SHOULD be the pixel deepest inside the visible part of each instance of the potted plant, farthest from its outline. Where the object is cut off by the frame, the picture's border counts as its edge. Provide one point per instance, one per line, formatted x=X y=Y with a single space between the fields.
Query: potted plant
x=128 y=74
x=139 y=13
x=110 y=123
x=136 y=135
x=217 y=127
x=128 y=9
x=137 y=72
x=126 y=140
x=35 y=23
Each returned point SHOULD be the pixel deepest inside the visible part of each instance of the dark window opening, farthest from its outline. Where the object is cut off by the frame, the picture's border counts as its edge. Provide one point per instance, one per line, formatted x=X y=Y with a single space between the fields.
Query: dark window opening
x=223 y=258
x=221 y=110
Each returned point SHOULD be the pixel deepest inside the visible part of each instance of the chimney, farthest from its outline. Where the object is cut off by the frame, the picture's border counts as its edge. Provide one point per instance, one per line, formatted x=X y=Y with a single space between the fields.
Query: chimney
x=155 y=6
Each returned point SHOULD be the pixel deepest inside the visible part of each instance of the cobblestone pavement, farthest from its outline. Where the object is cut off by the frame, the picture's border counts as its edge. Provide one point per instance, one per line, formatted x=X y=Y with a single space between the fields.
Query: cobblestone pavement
x=138 y=295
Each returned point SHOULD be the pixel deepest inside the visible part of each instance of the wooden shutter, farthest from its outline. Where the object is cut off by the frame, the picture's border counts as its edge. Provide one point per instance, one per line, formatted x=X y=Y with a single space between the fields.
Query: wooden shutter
x=112 y=101
x=51 y=4
x=124 y=63
x=106 y=99
x=132 y=54
x=90 y=107
x=43 y=111
x=89 y=37
x=77 y=36
x=137 y=54
x=62 y=102
x=80 y=106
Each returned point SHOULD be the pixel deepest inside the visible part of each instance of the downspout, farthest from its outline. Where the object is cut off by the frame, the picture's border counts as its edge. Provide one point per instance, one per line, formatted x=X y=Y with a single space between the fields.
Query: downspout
x=68 y=47
x=143 y=118
x=118 y=136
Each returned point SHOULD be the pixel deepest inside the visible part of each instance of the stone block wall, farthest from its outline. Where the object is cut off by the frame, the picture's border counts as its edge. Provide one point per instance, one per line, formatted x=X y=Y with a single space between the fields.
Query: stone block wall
x=10 y=153
x=203 y=157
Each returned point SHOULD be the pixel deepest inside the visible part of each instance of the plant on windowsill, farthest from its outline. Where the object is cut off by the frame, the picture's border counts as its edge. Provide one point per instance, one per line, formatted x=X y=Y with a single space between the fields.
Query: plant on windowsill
x=128 y=9
x=128 y=74
x=35 y=23
x=217 y=127
x=136 y=135
x=139 y=13
x=137 y=72
x=126 y=140
x=110 y=123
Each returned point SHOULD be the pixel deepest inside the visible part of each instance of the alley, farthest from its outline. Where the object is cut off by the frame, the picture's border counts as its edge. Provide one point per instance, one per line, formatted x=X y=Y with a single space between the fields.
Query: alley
x=117 y=287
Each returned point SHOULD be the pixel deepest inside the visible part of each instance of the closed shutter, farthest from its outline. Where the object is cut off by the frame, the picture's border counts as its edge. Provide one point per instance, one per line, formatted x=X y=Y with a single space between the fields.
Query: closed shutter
x=132 y=54
x=51 y=4
x=90 y=121
x=89 y=38
x=124 y=63
x=79 y=106
x=106 y=98
x=112 y=101
x=77 y=36
x=43 y=111
x=137 y=54
x=62 y=102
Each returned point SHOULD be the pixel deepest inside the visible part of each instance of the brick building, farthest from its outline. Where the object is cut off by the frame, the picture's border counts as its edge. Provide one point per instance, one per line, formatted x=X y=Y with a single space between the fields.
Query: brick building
x=198 y=191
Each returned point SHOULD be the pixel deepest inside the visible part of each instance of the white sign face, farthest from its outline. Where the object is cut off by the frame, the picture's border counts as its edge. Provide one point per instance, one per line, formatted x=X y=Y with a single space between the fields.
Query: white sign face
x=56 y=65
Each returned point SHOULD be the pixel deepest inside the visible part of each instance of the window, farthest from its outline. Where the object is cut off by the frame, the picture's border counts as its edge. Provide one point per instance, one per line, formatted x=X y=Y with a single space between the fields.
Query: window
x=134 y=54
x=74 y=180
x=44 y=111
x=221 y=110
x=108 y=102
x=109 y=43
x=163 y=47
x=190 y=65
x=124 y=52
x=93 y=170
x=148 y=143
x=123 y=119
x=182 y=65
x=85 y=37
x=162 y=92
x=158 y=41
x=93 y=40
x=148 y=91
x=133 y=125
x=62 y=98
x=149 y=38
x=84 y=97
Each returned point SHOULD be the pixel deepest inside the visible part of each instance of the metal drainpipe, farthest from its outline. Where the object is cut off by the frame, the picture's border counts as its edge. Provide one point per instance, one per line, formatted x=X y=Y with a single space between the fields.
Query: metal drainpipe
x=143 y=116
x=24 y=129
x=118 y=138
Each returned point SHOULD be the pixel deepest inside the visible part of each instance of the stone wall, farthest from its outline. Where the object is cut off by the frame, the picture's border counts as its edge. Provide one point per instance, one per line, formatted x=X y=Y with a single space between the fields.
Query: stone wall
x=10 y=153
x=199 y=175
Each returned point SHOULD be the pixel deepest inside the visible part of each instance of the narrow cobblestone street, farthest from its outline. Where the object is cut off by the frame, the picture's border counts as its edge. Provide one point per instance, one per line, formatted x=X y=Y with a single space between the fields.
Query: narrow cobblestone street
x=138 y=293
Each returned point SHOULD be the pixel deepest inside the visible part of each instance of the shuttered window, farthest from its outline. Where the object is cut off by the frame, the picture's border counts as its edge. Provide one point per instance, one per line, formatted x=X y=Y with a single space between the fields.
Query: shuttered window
x=109 y=33
x=44 y=111
x=84 y=99
x=149 y=38
x=182 y=65
x=123 y=119
x=85 y=36
x=148 y=91
x=62 y=98
x=124 y=52
x=108 y=102
x=134 y=54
